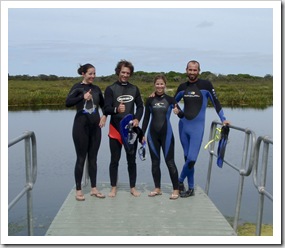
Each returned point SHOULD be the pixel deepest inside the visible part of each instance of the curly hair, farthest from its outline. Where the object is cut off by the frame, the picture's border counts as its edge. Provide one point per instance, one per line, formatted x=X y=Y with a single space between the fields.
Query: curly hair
x=124 y=63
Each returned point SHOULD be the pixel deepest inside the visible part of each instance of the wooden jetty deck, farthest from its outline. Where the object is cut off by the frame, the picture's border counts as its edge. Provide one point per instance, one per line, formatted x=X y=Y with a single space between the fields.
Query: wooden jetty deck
x=126 y=215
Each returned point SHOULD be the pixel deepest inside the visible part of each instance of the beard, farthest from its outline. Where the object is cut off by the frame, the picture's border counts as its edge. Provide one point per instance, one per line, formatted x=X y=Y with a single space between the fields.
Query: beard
x=193 y=77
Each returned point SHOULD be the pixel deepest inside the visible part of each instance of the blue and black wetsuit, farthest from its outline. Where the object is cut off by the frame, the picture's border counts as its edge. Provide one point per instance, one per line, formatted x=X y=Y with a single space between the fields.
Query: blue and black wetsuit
x=128 y=94
x=86 y=132
x=191 y=127
x=160 y=135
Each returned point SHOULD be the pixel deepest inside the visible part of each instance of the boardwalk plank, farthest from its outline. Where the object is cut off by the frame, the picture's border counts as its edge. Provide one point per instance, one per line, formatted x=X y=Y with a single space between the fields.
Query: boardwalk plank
x=126 y=215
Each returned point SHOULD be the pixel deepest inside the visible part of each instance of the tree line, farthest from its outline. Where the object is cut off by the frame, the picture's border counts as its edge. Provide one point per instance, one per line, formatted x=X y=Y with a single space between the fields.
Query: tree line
x=148 y=77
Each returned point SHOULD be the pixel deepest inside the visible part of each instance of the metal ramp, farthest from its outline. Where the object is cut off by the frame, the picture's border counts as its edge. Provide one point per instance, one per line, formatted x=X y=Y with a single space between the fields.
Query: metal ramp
x=126 y=215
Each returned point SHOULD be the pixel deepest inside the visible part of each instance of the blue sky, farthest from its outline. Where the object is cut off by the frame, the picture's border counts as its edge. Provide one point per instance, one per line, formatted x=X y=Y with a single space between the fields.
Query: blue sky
x=230 y=40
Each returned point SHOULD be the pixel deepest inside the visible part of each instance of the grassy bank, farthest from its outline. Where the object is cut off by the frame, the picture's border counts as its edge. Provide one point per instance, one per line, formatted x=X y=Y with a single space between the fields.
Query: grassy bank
x=248 y=229
x=27 y=94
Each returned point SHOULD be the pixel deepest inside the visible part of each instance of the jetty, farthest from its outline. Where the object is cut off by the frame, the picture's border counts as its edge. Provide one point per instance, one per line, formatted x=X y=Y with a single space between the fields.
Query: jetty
x=126 y=215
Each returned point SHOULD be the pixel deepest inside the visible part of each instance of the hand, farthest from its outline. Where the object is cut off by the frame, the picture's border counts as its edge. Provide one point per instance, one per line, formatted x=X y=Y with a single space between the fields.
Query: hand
x=102 y=121
x=226 y=122
x=175 y=109
x=121 y=108
x=152 y=94
x=88 y=95
x=135 y=122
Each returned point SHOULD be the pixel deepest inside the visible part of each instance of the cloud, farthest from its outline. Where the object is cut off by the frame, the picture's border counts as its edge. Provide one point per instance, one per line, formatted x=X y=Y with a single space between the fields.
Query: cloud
x=155 y=39
x=205 y=24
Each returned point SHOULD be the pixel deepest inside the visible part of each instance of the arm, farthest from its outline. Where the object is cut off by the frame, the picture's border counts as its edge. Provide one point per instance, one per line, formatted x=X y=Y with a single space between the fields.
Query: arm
x=109 y=108
x=102 y=104
x=139 y=107
x=146 y=119
x=101 y=100
x=146 y=116
x=179 y=93
x=75 y=95
x=177 y=110
x=216 y=102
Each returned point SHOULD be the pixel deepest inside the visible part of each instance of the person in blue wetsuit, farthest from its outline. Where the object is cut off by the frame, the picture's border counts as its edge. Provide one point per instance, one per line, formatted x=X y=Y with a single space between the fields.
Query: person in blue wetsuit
x=122 y=98
x=86 y=132
x=195 y=93
x=160 y=135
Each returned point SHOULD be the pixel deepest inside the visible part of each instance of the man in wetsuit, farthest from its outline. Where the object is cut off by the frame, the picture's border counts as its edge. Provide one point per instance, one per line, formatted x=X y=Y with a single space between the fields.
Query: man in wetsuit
x=195 y=93
x=120 y=99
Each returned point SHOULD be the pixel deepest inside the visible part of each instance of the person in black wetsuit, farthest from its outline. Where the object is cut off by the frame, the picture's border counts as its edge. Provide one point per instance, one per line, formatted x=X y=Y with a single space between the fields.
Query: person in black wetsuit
x=160 y=135
x=121 y=98
x=195 y=93
x=87 y=125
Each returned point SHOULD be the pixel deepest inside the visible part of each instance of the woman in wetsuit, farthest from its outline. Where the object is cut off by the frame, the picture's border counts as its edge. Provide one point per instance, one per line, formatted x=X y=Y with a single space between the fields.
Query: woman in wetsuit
x=195 y=94
x=87 y=125
x=160 y=134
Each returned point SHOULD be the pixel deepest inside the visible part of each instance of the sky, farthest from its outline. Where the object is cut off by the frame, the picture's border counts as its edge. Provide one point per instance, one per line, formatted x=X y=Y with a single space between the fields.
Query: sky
x=55 y=41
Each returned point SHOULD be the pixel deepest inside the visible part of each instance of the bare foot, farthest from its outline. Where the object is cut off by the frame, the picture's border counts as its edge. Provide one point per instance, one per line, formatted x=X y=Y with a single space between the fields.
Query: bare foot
x=175 y=195
x=95 y=192
x=175 y=192
x=155 y=192
x=79 y=195
x=134 y=192
x=113 y=192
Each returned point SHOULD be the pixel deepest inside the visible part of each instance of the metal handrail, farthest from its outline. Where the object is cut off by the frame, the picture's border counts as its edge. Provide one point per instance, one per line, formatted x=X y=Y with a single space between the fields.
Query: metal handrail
x=31 y=174
x=260 y=184
x=244 y=169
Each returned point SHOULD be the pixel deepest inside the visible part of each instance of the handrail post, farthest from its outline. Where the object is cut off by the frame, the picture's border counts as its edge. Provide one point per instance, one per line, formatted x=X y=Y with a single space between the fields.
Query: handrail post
x=242 y=173
x=245 y=169
x=211 y=148
x=261 y=186
x=238 y=202
x=29 y=187
x=31 y=174
x=261 y=197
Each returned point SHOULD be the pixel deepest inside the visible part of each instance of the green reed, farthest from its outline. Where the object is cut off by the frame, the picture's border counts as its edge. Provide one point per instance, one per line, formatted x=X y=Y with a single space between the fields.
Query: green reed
x=27 y=94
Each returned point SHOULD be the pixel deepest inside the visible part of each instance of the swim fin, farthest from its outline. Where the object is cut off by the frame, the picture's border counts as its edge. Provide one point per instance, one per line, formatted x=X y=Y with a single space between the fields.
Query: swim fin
x=222 y=145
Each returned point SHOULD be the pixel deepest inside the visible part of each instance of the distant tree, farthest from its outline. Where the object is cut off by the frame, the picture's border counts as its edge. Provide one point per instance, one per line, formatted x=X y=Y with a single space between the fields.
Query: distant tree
x=268 y=76
x=208 y=76
x=43 y=77
x=53 y=77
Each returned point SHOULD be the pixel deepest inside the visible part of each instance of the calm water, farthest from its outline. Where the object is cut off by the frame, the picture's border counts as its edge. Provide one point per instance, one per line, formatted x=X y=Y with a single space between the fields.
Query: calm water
x=56 y=158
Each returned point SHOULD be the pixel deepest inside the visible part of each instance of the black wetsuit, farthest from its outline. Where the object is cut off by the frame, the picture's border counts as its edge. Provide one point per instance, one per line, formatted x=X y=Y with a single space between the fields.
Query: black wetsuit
x=128 y=94
x=86 y=132
x=160 y=135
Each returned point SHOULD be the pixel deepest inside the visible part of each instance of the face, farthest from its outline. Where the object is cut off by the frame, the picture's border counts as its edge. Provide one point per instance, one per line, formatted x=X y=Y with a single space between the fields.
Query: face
x=192 y=71
x=159 y=86
x=124 y=74
x=89 y=76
